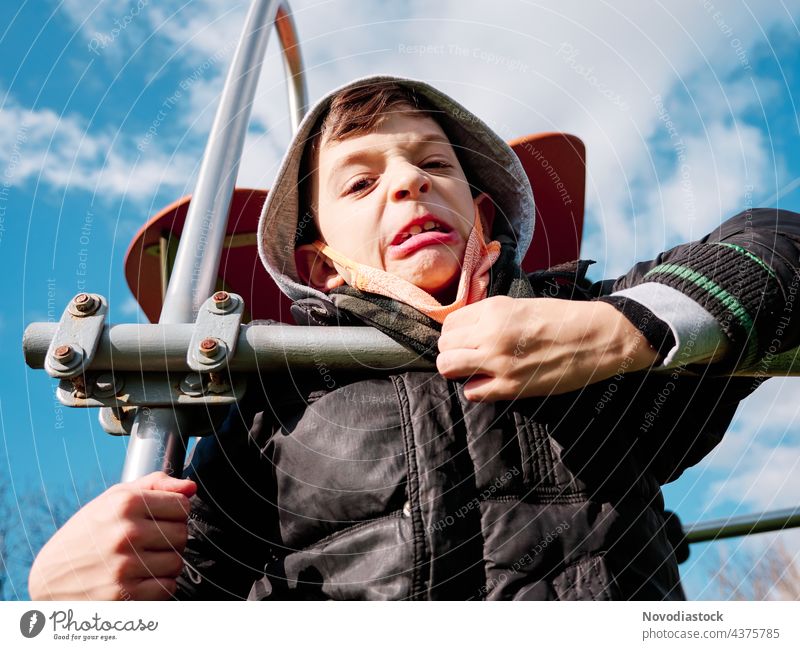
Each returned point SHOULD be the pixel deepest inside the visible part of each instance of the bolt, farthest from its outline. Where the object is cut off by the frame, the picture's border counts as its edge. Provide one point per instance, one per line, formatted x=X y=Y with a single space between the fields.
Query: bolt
x=192 y=381
x=78 y=387
x=104 y=382
x=192 y=385
x=85 y=303
x=107 y=385
x=64 y=353
x=216 y=383
x=222 y=299
x=209 y=347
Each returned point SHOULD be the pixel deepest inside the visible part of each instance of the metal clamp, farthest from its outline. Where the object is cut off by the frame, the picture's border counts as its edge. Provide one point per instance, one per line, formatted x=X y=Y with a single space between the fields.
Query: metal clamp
x=151 y=389
x=117 y=421
x=76 y=339
x=201 y=422
x=216 y=332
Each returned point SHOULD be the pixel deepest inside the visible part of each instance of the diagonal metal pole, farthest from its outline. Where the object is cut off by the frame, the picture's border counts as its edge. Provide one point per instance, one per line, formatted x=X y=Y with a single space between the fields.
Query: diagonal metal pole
x=158 y=436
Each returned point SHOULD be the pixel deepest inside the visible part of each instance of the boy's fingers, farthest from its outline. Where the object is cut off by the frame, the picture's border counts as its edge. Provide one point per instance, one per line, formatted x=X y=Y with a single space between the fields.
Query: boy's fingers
x=478 y=389
x=162 y=536
x=162 y=564
x=164 y=506
x=150 y=589
x=151 y=504
x=461 y=363
x=161 y=481
x=466 y=316
x=462 y=339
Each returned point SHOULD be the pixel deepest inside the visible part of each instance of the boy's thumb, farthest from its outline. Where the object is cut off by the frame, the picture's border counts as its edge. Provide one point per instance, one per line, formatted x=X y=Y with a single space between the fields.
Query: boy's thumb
x=161 y=481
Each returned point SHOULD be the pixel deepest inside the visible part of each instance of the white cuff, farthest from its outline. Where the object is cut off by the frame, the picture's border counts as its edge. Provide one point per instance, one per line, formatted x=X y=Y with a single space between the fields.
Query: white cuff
x=698 y=336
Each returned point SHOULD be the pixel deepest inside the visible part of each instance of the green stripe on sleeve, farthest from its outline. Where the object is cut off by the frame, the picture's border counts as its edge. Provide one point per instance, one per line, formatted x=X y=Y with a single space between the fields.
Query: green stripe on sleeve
x=714 y=290
x=747 y=253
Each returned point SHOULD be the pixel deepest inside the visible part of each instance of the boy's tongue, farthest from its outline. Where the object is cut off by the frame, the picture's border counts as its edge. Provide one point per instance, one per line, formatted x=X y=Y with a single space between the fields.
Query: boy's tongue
x=420 y=240
x=422 y=233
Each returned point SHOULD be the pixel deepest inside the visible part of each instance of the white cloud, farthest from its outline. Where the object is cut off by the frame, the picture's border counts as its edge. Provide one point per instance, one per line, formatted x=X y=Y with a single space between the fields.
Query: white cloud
x=767 y=478
x=758 y=463
x=524 y=68
x=61 y=151
x=720 y=165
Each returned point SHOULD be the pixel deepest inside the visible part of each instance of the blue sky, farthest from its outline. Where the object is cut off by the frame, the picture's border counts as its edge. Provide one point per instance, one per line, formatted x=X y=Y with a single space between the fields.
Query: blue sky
x=106 y=106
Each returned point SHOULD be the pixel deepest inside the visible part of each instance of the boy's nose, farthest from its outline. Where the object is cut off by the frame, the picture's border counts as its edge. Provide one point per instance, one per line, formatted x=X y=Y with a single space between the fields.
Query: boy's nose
x=409 y=182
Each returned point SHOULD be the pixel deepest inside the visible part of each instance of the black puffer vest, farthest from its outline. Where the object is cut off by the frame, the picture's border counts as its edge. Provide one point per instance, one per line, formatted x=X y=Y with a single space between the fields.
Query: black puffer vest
x=329 y=486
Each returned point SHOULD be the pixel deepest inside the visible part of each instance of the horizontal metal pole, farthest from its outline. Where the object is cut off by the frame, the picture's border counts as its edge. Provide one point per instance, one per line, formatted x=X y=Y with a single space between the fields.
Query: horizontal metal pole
x=765 y=522
x=160 y=348
x=150 y=347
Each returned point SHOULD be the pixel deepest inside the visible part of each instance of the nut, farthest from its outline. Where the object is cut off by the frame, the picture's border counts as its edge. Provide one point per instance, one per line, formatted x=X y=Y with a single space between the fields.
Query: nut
x=85 y=303
x=222 y=299
x=107 y=385
x=209 y=347
x=104 y=382
x=192 y=385
x=64 y=353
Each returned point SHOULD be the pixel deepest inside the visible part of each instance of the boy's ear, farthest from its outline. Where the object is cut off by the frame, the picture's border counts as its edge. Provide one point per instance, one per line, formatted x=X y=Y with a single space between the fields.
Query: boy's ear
x=486 y=211
x=315 y=269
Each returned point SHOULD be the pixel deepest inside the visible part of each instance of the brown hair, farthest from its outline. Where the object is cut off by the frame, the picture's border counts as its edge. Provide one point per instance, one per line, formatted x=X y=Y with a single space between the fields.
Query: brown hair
x=353 y=112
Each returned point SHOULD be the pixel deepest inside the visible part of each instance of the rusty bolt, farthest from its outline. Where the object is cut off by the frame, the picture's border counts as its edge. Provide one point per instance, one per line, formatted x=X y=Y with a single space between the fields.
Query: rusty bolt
x=104 y=382
x=222 y=299
x=64 y=353
x=209 y=347
x=84 y=303
x=78 y=387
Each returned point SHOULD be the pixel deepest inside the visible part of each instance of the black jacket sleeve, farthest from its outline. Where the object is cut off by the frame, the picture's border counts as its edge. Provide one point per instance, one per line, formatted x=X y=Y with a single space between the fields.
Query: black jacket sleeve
x=745 y=273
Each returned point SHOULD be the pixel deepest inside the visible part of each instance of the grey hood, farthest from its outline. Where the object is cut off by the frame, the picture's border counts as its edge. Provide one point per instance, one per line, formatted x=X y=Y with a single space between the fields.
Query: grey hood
x=488 y=161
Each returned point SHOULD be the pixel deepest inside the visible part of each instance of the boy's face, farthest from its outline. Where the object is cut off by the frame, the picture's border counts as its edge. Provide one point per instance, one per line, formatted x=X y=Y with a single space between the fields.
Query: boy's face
x=396 y=199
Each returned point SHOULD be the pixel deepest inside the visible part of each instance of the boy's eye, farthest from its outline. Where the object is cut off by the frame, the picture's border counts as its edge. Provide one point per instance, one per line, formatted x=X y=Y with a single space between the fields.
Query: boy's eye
x=436 y=164
x=359 y=185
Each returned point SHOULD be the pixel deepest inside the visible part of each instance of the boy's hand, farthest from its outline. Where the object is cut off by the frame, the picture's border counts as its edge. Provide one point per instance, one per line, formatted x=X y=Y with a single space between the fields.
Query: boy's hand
x=124 y=545
x=523 y=347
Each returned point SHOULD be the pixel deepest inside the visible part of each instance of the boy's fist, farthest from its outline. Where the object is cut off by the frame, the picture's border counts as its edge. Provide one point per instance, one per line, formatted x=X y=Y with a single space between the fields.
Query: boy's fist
x=124 y=545
x=512 y=348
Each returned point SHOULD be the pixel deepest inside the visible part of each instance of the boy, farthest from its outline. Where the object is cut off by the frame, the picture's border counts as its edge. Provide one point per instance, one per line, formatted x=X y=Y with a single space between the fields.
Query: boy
x=528 y=467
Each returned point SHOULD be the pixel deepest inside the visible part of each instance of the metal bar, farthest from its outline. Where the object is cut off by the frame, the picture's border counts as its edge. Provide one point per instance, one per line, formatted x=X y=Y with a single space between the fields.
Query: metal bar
x=157 y=442
x=197 y=262
x=292 y=65
x=708 y=531
x=268 y=347
x=162 y=348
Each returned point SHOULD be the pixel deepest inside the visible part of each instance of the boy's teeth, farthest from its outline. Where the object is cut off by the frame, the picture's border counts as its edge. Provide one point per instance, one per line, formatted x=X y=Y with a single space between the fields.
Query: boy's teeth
x=417 y=229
